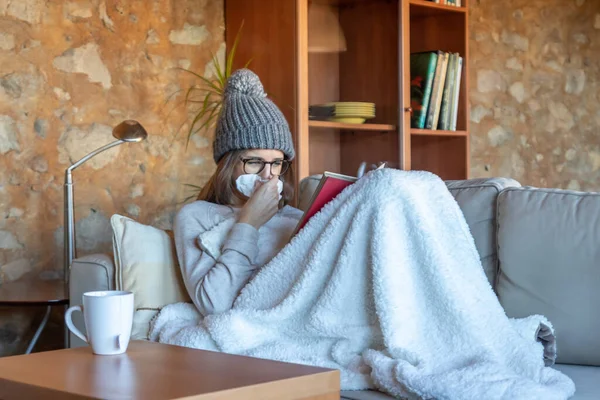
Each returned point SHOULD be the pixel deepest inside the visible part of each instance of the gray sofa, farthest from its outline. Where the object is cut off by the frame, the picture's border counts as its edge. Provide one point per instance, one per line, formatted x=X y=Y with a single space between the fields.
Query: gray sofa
x=540 y=249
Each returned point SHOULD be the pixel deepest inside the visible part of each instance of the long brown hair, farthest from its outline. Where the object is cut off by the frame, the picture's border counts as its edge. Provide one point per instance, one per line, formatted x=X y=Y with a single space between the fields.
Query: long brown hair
x=220 y=188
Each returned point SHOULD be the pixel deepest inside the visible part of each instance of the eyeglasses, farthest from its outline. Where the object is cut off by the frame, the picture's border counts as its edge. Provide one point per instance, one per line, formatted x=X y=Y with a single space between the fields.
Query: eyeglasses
x=256 y=166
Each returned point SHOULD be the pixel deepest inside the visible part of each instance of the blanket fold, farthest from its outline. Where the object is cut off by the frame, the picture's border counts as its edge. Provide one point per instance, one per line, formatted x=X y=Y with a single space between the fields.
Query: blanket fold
x=384 y=284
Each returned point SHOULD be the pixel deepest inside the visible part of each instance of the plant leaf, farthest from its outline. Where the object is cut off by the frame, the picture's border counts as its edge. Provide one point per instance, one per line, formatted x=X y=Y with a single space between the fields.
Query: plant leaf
x=172 y=94
x=199 y=101
x=187 y=198
x=206 y=106
x=230 y=57
x=192 y=186
x=189 y=92
x=217 y=68
x=197 y=118
x=211 y=117
x=213 y=90
x=206 y=101
x=205 y=80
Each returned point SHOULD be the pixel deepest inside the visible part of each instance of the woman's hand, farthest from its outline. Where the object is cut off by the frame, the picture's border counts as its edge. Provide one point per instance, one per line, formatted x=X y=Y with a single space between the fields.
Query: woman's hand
x=262 y=205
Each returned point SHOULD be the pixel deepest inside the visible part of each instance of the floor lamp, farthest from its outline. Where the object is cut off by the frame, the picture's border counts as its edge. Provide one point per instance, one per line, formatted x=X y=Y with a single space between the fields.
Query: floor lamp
x=126 y=131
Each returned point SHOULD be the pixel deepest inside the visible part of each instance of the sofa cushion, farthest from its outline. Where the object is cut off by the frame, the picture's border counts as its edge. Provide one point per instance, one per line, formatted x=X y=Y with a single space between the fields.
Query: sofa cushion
x=146 y=264
x=586 y=379
x=549 y=254
x=477 y=200
x=587 y=385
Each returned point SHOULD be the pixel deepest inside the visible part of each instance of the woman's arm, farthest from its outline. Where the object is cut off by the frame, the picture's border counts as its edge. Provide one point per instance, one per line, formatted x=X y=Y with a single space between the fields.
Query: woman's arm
x=213 y=284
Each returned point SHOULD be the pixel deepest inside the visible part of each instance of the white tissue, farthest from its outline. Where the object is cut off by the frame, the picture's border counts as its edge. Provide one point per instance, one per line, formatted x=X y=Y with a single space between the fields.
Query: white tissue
x=245 y=184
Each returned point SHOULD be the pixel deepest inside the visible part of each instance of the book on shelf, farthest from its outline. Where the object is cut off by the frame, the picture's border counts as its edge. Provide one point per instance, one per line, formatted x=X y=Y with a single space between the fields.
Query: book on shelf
x=422 y=70
x=435 y=89
x=330 y=185
x=433 y=112
x=456 y=3
x=444 y=120
x=458 y=75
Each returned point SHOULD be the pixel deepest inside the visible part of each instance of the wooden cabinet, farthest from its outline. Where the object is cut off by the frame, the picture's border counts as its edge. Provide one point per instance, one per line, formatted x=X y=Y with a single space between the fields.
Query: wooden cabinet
x=373 y=65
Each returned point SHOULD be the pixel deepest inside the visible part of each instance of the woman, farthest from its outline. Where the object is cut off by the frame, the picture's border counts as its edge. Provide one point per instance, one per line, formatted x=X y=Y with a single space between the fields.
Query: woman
x=253 y=149
x=384 y=284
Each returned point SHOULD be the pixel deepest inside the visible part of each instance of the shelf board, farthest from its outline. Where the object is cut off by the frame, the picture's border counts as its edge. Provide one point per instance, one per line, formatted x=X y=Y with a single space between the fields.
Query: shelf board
x=341 y=2
x=351 y=127
x=429 y=132
x=424 y=8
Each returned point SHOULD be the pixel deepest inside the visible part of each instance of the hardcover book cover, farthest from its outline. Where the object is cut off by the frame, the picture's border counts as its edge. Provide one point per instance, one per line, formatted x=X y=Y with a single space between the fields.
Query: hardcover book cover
x=458 y=76
x=330 y=186
x=422 y=71
x=447 y=97
x=433 y=113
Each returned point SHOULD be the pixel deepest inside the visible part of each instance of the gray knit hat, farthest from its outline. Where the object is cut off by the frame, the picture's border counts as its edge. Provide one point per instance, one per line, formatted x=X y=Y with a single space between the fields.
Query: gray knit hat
x=248 y=120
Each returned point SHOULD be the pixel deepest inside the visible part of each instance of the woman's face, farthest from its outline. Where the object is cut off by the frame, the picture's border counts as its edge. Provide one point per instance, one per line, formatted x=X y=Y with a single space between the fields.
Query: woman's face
x=253 y=163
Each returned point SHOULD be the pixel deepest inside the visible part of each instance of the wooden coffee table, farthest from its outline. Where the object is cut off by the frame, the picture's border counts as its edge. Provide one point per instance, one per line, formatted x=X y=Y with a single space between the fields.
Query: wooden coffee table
x=158 y=371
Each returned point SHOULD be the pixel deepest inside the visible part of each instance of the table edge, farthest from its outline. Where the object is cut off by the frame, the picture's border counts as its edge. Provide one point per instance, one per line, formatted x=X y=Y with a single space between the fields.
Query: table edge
x=23 y=303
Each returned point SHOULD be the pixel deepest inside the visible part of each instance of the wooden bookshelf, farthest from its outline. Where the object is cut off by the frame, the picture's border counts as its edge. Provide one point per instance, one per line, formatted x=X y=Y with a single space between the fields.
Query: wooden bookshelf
x=430 y=132
x=428 y=27
x=352 y=127
x=279 y=36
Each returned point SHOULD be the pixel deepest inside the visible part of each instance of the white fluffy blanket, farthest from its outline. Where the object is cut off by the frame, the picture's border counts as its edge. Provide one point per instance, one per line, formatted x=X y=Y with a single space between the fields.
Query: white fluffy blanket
x=384 y=284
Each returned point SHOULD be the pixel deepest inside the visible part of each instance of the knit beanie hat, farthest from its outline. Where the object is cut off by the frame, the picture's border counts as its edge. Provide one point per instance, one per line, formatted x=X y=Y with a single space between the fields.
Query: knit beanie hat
x=248 y=120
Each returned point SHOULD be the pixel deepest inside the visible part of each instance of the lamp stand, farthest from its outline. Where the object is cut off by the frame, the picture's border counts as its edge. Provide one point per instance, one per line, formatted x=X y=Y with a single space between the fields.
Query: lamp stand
x=128 y=131
x=69 y=225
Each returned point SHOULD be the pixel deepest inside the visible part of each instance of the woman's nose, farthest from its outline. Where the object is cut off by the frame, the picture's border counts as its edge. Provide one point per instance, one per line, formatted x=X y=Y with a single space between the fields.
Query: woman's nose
x=266 y=172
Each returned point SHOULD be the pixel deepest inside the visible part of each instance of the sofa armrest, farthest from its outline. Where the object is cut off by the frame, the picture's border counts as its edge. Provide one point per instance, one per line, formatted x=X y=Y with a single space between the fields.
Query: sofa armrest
x=88 y=273
x=549 y=264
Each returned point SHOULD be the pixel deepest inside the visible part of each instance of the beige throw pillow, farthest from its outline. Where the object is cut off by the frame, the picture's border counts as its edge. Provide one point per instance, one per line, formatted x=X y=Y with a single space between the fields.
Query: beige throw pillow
x=146 y=264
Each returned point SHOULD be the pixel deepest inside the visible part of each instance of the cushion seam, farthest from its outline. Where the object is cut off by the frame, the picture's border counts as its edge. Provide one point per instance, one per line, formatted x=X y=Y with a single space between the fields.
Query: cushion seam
x=117 y=252
x=561 y=192
x=481 y=186
x=497 y=240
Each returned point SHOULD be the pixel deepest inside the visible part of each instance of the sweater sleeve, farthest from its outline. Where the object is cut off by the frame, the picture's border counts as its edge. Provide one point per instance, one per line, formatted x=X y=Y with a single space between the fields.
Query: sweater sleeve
x=213 y=284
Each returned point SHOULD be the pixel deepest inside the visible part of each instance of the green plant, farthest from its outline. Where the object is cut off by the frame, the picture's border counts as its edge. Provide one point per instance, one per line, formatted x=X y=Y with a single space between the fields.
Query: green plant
x=210 y=91
x=207 y=97
x=195 y=191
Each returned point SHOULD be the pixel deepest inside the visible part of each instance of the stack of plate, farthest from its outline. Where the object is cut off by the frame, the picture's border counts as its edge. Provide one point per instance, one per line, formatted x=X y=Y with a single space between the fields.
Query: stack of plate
x=352 y=112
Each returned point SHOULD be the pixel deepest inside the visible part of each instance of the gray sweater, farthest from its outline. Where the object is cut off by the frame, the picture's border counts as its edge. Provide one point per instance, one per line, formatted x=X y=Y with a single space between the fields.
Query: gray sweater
x=214 y=284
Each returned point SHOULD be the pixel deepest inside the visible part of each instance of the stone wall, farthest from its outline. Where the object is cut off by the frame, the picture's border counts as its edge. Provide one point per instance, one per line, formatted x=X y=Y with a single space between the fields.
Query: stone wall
x=535 y=99
x=70 y=71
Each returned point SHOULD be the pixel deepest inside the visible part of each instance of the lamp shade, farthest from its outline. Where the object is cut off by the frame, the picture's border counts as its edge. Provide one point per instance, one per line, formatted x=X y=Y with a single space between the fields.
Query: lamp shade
x=325 y=34
x=130 y=131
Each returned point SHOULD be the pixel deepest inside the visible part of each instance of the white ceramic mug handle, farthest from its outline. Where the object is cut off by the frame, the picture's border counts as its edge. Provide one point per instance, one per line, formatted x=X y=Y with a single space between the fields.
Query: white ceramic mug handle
x=70 y=325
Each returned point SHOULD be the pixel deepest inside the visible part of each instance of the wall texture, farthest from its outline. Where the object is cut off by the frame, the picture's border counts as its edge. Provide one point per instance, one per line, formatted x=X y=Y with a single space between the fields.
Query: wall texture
x=535 y=91
x=69 y=72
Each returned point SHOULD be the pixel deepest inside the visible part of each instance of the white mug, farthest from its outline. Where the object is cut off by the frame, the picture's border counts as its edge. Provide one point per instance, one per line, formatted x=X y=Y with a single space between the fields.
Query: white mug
x=108 y=317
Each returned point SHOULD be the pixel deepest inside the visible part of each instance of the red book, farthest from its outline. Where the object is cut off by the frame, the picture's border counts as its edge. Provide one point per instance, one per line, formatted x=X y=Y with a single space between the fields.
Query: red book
x=330 y=186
